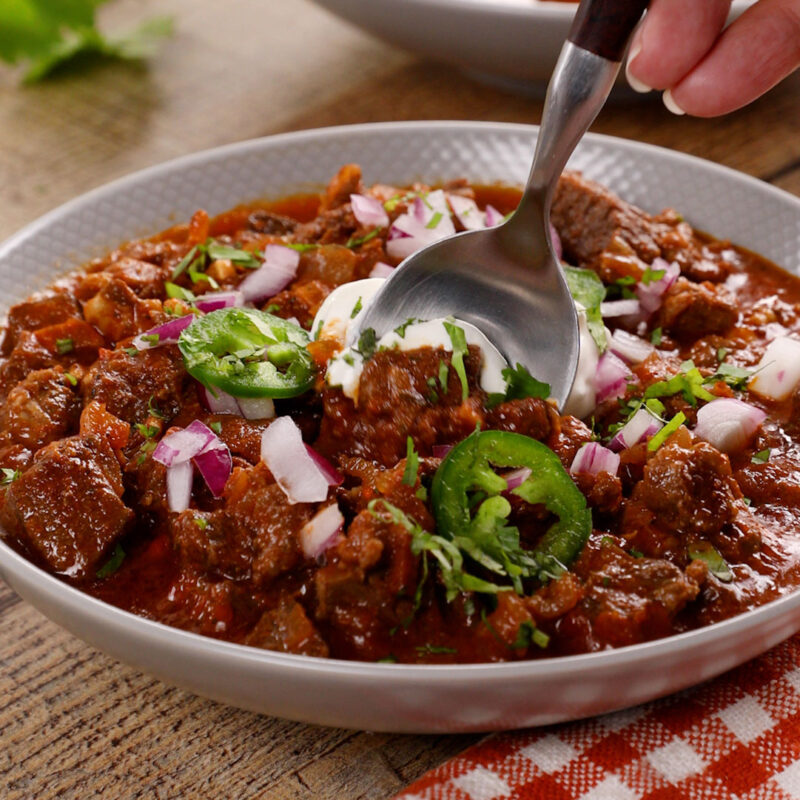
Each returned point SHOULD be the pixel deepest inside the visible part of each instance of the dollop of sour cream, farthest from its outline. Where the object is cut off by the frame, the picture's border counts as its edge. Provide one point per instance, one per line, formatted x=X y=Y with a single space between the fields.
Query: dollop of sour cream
x=338 y=320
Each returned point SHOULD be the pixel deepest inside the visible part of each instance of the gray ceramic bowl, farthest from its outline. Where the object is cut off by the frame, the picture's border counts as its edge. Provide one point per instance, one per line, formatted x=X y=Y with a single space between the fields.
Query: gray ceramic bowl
x=392 y=697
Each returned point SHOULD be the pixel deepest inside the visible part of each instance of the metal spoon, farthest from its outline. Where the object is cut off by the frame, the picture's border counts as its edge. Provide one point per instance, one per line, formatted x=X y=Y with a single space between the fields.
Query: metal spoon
x=507 y=280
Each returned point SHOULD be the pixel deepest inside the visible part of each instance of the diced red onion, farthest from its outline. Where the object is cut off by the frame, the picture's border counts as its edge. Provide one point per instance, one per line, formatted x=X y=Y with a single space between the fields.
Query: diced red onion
x=215 y=465
x=381 y=270
x=184 y=445
x=632 y=348
x=639 y=427
x=369 y=211
x=728 y=424
x=410 y=232
x=331 y=474
x=651 y=295
x=593 y=458
x=179 y=486
x=256 y=407
x=167 y=333
x=296 y=472
x=467 y=212
x=321 y=531
x=441 y=450
x=216 y=300
x=556 y=240
x=218 y=402
x=611 y=377
x=517 y=477
x=278 y=270
x=778 y=372
x=493 y=216
x=620 y=308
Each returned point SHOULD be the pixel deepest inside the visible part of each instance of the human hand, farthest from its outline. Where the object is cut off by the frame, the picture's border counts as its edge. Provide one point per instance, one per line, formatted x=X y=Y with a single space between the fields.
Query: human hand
x=681 y=49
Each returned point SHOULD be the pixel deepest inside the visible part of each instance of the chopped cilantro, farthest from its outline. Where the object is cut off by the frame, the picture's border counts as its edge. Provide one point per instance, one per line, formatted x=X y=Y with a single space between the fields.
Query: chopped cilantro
x=390 y=659
x=150 y=338
x=722 y=353
x=444 y=374
x=688 y=382
x=588 y=290
x=421 y=494
x=762 y=456
x=131 y=351
x=9 y=476
x=273 y=307
x=459 y=341
x=367 y=342
x=652 y=275
x=153 y=410
x=670 y=428
x=71 y=378
x=636 y=553
x=655 y=336
x=301 y=247
x=182 y=265
x=244 y=258
x=412 y=464
x=179 y=293
x=717 y=566
x=201 y=523
x=216 y=427
x=64 y=346
x=356 y=308
x=113 y=563
x=400 y=330
x=625 y=280
x=357 y=242
x=747 y=501
x=148 y=431
x=735 y=377
x=434 y=220
x=528 y=634
x=521 y=384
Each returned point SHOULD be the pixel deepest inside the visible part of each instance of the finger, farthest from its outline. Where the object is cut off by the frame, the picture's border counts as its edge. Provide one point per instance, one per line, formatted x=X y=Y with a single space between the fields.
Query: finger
x=757 y=51
x=673 y=37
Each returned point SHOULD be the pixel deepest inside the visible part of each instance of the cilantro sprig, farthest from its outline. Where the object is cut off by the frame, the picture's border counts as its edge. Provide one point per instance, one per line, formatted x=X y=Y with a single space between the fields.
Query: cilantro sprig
x=45 y=35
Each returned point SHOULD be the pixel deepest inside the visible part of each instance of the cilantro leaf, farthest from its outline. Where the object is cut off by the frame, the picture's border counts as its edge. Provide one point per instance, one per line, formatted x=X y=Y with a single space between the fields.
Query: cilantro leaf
x=459 y=341
x=367 y=343
x=412 y=464
x=528 y=634
x=113 y=563
x=588 y=290
x=521 y=384
x=717 y=566
x=48 y=34
x=762 y=456
x=670 y=428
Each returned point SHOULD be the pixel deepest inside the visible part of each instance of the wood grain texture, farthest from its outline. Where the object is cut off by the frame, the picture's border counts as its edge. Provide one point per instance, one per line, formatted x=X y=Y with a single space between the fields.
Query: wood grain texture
x=73 y=722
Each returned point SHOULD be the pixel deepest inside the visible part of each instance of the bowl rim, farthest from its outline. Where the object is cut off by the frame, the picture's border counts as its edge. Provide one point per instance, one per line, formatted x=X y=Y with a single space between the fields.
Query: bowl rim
x=71 y=599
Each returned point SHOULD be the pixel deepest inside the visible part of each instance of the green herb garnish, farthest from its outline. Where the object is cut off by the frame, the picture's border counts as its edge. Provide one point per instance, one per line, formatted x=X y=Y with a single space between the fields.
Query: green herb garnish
x=356 y=308
x=459 y=341
x=71 y=378
x=64 y=346
x=588 y=290
x=433 y=649
x=762 y=456
x=717 y=566
x=659 y=438
x=528 y=634
x=367 y=343
x=357 y=242
x=655 y=336
x=412 y=464
x=9 y=476
x=113 y=564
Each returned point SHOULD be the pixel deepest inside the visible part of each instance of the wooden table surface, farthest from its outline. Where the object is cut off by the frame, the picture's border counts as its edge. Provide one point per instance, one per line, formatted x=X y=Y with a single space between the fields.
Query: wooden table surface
x=73 y=722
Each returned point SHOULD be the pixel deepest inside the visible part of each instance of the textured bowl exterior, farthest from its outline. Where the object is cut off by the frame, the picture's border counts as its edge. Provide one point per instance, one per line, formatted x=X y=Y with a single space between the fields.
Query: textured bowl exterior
x=390 y=697
x=515 y=40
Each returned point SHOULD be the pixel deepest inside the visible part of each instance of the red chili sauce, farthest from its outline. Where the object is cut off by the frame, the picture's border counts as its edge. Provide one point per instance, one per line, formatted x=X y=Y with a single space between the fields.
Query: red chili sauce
x=82 y=412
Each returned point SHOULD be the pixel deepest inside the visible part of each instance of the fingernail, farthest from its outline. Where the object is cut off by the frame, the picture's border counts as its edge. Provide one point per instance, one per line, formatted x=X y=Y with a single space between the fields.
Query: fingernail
x=635 y=83
x=669 y=102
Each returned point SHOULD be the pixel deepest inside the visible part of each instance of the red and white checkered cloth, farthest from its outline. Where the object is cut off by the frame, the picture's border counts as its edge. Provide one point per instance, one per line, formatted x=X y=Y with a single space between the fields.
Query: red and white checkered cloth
x=736 y=737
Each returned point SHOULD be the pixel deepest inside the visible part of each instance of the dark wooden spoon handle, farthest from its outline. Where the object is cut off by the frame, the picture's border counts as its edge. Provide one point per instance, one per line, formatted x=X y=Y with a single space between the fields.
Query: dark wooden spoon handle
x=604 y=26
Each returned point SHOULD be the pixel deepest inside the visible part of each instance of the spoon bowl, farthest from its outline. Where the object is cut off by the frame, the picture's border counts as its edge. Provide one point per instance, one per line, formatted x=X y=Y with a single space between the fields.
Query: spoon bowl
x=507 y=281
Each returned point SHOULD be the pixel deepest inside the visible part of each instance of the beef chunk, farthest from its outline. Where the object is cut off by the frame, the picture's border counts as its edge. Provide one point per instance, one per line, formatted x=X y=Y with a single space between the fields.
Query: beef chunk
x=399 y=396
x=301 y=301
x=271 y=224
x=253 y=536
x=332 y=264
x=40 y=409
x=117 y=312
x=691 y=310
x=601 y=231
x=530 y=416
x=67 y=505
x=40 y=310
x=626 y=599
x=129 y=384
x=287 y=629
x=144 y=278
x=688 y=487
x=347 y=181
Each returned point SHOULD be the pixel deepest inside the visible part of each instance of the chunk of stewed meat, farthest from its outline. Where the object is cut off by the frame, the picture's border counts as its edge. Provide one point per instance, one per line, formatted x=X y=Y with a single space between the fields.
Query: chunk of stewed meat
x=688 y=487
x=253 y=536
x=691 y=310
x=287 y=629
x=67 y=505
x=131 y=384
x=39 y=311
x=118 y=313
x=626 y=599
x=40 y=409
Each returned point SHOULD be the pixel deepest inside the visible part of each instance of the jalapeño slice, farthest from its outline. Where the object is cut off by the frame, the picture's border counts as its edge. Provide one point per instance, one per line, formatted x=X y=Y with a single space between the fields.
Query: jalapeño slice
x=248 y=353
